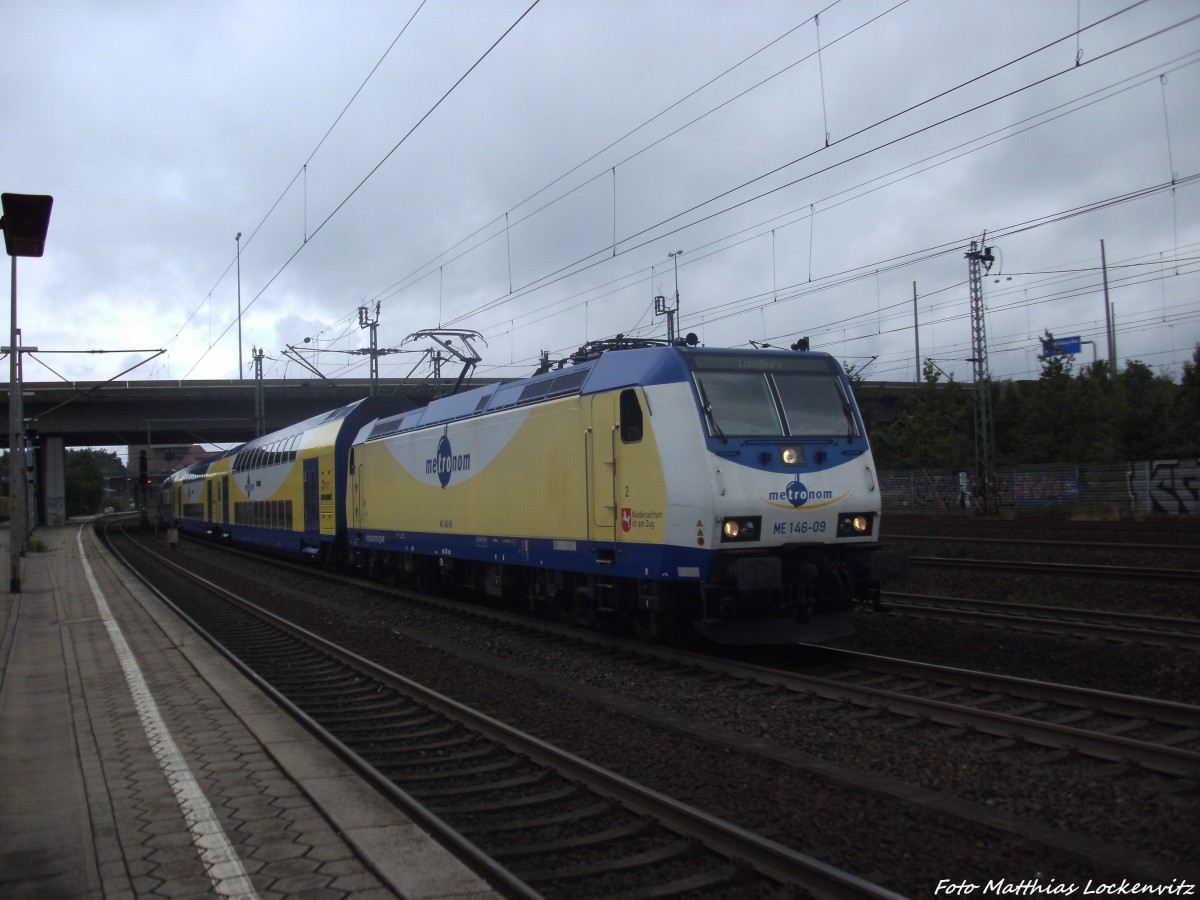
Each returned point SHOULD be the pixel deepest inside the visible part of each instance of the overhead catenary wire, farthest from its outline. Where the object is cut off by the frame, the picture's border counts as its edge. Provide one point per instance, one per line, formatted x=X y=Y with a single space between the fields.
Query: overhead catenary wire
x=369 y=174
x=855 y=192
x=812 y=211
x=303 y=172
x=790 y=293
x=421 y=271
x=517 y=292
x=1008 y=131
x=653 y=233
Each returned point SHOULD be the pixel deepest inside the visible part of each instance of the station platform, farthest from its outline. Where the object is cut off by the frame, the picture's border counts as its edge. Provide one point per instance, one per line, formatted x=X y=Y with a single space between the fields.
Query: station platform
x=135 y=761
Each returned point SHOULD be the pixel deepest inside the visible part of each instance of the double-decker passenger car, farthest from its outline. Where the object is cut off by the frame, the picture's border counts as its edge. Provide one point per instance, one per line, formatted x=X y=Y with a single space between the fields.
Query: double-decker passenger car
x=284 y=490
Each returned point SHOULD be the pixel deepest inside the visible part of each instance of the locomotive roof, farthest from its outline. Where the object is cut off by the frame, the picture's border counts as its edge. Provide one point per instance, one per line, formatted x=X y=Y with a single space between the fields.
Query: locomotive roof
x=611 y=370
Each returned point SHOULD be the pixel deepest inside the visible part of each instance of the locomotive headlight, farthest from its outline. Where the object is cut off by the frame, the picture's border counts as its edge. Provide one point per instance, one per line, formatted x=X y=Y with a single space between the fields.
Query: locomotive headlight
x=745 y=528
x=792 y=456
x=854 y=524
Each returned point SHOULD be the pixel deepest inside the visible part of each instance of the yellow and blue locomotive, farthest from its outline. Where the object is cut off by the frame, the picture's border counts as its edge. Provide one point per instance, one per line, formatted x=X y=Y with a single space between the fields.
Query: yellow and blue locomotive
x=668 y=487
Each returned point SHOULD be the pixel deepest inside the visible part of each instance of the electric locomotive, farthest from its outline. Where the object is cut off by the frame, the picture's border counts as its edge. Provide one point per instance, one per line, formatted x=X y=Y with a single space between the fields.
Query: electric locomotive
x=667 y=487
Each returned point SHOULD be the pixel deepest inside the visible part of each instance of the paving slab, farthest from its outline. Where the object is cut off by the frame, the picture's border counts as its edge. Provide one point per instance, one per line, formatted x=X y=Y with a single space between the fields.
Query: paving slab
x=135 y=761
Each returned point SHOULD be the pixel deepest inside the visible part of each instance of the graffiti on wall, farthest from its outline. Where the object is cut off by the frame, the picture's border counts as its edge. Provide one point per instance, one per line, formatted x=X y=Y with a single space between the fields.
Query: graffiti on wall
x=1174 y=486
x=1161 y=487
x=911 y=490
x=56 y=511
x=1026 y=489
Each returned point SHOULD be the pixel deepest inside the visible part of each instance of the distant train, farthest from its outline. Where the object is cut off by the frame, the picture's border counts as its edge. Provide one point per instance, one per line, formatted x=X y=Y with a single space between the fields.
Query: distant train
x=664 y=488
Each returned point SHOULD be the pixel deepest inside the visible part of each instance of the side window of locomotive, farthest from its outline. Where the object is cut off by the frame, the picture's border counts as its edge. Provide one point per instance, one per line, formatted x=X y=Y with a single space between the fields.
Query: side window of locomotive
x=741 y=403
x=631 y=417
x=815 y=405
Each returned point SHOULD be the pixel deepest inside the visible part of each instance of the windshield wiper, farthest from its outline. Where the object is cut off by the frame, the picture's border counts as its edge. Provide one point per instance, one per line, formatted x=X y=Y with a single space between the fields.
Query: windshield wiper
x=848 y=412
x=708 y=412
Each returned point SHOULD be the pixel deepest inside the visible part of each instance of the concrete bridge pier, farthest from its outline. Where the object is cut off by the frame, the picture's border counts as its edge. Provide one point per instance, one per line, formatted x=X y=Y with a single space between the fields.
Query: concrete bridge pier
x=51 y=473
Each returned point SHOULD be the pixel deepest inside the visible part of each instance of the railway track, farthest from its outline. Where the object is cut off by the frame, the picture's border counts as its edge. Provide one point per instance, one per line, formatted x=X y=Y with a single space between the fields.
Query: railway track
x=532 y=818
x=1081 y=570
x=1158 y=631
x=1166 y=530
x=1053 y=545
x=1157 y=735
x=825 y=744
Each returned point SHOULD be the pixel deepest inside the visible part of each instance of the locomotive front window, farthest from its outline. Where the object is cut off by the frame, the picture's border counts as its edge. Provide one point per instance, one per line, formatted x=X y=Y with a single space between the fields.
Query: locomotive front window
x=739 y=404
x=815 y=405
x=786 y=396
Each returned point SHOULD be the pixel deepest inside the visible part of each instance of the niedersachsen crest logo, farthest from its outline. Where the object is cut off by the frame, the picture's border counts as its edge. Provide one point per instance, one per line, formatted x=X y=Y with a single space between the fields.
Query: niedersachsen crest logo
x=796 y=495
x=445 y=463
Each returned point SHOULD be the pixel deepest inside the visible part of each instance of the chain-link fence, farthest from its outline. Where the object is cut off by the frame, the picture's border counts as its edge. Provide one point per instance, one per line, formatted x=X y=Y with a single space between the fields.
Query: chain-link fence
x=1160 y=487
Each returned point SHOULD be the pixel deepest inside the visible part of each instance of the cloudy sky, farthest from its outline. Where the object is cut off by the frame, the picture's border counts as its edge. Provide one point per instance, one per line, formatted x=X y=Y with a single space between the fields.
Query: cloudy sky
x=524 y=171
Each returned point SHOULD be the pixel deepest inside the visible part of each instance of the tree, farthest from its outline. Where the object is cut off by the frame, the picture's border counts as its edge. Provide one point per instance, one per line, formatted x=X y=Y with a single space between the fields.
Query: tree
x=933 y=430
x=1065 y=416
x=1142 y=413
x=1184 y=434
x=1046 y=420
x=1056 y=365
x=85 y=474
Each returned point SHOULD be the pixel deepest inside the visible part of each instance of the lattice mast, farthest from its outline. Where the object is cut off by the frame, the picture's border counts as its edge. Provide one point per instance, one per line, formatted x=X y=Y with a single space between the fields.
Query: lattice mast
x=371 y=323
x=260 y=398
x=979 y=262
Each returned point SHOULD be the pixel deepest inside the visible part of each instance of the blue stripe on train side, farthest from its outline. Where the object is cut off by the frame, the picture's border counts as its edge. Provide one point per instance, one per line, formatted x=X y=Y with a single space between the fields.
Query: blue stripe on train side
x=659 y=562
x=271 y=538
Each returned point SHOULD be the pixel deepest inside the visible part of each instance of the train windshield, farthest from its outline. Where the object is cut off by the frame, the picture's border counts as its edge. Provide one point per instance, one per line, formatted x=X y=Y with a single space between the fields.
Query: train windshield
x=755 y=396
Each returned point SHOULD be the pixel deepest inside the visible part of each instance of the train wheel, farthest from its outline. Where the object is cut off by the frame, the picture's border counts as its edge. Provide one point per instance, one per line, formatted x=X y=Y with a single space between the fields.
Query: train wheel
x=393 y=577
x=647 y=626
x=536 y=594
x=569 y=602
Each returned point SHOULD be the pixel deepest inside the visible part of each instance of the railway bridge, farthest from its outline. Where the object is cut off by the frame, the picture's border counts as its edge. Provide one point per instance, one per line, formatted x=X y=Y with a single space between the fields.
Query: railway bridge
x=168 y=418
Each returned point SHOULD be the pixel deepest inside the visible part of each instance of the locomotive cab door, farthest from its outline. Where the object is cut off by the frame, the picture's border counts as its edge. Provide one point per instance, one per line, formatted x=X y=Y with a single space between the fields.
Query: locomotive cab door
x=601 y=461
x=353 y=520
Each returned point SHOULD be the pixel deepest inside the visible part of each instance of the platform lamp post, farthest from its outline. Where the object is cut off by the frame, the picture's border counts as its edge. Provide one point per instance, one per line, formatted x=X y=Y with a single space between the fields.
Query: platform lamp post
x=239 y=284
x=25 y=221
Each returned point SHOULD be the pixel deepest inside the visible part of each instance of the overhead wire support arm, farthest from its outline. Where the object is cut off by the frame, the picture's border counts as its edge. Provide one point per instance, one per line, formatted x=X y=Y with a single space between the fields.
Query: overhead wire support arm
x=293 y=353
x=444 y=338
x=95 y=387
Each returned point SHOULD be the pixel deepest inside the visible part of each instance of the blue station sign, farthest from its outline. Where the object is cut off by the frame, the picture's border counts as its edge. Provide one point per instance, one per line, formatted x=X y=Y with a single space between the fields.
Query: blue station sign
x=1062 y=346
